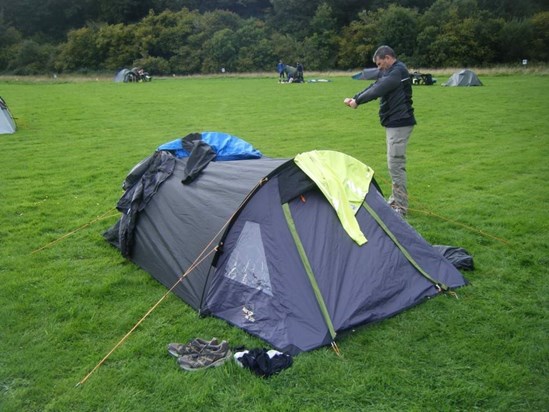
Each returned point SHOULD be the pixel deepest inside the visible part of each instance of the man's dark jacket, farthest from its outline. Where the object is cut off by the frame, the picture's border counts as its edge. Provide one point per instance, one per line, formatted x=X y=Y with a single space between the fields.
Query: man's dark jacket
x=394 y=87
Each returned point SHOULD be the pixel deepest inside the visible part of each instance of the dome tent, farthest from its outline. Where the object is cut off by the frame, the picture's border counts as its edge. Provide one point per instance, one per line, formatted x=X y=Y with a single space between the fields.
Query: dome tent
x=367 y=74
x=464 y=77
x=7 y=124
x=293 y=251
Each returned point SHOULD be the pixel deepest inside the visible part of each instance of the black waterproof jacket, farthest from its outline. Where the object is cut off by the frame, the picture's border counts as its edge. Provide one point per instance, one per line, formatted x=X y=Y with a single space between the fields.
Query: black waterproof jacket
x=394 y=87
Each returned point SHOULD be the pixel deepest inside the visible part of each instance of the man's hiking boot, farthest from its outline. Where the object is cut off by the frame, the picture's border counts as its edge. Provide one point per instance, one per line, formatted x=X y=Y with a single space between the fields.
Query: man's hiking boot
x=194 y=346
x=211 y=356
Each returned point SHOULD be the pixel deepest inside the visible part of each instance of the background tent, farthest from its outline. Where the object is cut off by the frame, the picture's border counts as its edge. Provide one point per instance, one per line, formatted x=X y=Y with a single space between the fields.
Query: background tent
x=293 y=75
x=7 y=124
x=136 y=74
x=367 y=74
x=305 y=247
x=463 y=78
x=121 y=76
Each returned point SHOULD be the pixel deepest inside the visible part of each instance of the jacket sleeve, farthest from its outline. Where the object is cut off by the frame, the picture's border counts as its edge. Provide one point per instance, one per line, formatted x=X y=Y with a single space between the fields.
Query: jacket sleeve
x=380 y=88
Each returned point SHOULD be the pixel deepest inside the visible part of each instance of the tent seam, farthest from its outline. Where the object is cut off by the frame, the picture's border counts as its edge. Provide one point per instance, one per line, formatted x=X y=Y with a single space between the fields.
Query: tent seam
x=308 y=269
x=438 y=285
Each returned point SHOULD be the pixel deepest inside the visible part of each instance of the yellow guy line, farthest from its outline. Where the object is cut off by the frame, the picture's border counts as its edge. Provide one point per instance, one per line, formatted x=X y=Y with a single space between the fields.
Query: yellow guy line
x=428 y=212
x=127 y=335
x=455 y=222
x=201 y=257
x=66 y=235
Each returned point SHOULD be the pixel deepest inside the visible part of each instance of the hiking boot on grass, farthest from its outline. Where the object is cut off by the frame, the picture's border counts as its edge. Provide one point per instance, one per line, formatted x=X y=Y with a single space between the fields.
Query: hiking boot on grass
x=194 y=346
x=211 y=356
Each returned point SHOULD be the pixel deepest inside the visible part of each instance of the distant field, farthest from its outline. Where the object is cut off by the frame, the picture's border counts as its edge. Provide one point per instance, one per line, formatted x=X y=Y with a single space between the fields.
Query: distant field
x=478 y=174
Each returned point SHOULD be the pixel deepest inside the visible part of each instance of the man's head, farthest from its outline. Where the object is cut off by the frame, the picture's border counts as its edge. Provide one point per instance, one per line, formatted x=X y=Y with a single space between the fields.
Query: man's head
x=384 y=57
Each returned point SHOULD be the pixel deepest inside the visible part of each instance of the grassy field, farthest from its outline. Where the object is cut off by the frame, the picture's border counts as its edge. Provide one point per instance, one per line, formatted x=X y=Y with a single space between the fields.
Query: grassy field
x=478 y=174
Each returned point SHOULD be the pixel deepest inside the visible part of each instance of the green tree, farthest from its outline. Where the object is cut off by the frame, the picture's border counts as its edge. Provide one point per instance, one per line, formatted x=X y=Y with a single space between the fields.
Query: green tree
x=292 y=17
x=320 y=48
x=99 y=47
x=9 y=39
x=220 y=52
x=163 y=34
x=456 y=33
x=123 y=11
x=255 y=50
x=512 y=9
x=515 y=41
x=32 y=58
x=191 y=36
x=117 y=45
x=244 y=8
x=48 y=20
x=323 y=20
x=286 y=48
x=540 y=43
x=80 y=51
x=345 y=11
x=398 y=28
x=434 y=47
x=420 y=5
x=209 y=49
x=154 y=65
x=186 y=60
x=358 y=41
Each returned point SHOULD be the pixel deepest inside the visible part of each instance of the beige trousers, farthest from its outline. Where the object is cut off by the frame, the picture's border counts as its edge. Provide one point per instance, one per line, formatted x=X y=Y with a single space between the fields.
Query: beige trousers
x=397 y=141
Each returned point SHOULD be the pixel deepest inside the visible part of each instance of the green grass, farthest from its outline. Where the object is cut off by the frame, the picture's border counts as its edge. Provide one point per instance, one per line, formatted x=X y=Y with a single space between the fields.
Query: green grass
x=478 y=176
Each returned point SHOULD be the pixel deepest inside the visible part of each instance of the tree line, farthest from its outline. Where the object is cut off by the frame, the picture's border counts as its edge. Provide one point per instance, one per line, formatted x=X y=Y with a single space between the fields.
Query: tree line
x=192 y=36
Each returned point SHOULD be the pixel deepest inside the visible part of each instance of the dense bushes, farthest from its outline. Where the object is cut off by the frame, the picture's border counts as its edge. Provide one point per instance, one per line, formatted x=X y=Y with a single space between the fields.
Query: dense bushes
x=448 y=33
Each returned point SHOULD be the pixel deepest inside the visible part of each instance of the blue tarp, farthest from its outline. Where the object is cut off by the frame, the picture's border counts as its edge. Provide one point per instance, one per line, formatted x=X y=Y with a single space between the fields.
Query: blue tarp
x=226 y=147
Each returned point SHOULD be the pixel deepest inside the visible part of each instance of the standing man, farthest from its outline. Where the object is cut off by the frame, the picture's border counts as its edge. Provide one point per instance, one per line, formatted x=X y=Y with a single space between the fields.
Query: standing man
x=280 y=69
x=299 y=68
x=394 y=88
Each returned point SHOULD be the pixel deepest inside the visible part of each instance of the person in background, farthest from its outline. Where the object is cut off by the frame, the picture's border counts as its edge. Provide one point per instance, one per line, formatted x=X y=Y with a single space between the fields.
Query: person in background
x=396 y=113
x=299 y=68
x=280 y=69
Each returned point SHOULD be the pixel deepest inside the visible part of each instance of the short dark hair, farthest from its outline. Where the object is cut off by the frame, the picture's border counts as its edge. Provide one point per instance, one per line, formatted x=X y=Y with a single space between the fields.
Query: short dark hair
x=382 y=52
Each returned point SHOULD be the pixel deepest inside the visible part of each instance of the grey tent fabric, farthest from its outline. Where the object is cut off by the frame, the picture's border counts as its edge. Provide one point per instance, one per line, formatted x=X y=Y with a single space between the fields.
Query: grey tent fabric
x=121 y=76
x=463 y=78
x=458 y=256
x=367 y=74
x=7 y=124
x=283 y=267
x=180 y=221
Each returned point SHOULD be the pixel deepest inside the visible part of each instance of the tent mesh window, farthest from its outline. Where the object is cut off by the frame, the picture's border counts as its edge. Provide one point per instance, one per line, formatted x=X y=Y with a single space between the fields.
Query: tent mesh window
x=247 y=263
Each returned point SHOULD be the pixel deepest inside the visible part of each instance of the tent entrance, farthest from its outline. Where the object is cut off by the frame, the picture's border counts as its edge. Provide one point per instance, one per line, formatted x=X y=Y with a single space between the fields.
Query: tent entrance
x=308 y=269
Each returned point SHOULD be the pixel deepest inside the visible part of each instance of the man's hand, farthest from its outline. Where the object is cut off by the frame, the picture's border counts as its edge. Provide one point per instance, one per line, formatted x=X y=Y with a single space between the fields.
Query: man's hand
x=350 y=102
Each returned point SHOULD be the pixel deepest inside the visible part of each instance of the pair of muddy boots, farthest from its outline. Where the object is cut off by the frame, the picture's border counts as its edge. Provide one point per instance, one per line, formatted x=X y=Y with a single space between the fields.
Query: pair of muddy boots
x=200 y=354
